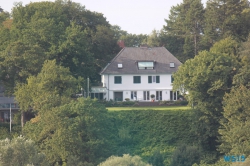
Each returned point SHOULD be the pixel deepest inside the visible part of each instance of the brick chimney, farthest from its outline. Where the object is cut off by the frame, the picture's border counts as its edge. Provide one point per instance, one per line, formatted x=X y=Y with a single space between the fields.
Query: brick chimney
x=121 y=43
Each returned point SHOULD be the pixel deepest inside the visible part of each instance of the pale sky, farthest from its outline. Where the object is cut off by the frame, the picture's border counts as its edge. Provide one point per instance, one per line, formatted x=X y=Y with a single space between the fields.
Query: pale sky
x=133 y=16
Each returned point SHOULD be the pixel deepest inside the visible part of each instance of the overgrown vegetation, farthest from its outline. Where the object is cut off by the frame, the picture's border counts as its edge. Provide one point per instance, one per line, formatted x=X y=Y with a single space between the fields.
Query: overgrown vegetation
x=46 y=55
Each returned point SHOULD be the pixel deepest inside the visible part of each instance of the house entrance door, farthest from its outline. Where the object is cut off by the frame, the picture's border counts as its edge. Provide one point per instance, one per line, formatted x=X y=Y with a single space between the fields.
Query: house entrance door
x=118 y=96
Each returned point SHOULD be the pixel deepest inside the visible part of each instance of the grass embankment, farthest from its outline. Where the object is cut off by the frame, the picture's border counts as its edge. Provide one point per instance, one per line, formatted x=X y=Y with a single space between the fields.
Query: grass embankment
x=161 y=108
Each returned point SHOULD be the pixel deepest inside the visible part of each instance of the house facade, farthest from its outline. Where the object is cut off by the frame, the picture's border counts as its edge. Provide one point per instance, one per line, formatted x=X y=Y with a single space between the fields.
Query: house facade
x=136 y=73
x=8 y=106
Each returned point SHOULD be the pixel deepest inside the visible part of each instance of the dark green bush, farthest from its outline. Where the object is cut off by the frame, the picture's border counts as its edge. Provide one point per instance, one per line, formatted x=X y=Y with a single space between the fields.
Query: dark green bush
x=113 y=103
x=181 y=102
x=174 y=103
x=185 y=156
x=156 y=159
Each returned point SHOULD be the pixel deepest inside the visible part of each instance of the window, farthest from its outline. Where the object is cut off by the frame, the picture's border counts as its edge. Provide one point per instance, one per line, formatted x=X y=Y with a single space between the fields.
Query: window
x=119 y=65
x=172 y=79
x=133 y=95
x=158 y=95
x=118 y=79
x=157 y=79
x=145 y=65
x=153 y=79
x=137 y=79
x=149 y=79
x=145 y=95
x=172 y=64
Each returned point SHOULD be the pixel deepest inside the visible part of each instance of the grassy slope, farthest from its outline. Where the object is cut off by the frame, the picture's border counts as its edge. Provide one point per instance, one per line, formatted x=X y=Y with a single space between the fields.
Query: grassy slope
x=153 y=128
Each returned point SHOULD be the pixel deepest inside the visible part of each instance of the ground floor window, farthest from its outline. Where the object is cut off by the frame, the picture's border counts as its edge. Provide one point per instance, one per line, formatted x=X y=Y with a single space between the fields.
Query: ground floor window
x=145 y=95
x=133 y=95
x=158 y=95
x=174 y=95
x=97 y=95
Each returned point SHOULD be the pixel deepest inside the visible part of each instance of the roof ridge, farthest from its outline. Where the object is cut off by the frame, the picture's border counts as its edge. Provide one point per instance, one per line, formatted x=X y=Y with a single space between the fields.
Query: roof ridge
x=112 y=61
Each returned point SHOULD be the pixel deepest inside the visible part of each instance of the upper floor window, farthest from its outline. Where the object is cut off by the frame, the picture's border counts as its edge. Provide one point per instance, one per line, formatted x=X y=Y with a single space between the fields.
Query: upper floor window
x=118 y=79
x=153 y=79
x=145 y=65
x=137 y=79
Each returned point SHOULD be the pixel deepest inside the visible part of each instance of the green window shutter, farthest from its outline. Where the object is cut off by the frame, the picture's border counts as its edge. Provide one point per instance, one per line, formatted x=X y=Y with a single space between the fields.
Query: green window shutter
x=157 y=79
x=149 y=79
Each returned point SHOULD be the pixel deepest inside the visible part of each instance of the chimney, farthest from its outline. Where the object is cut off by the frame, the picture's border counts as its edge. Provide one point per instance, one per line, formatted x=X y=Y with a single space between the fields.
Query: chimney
x=121 y=43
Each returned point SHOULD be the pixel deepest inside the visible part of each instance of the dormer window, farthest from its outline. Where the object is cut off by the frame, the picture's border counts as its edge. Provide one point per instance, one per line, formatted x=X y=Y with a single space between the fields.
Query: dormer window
x=172 y=64
x=145 y=65
x=119 y=65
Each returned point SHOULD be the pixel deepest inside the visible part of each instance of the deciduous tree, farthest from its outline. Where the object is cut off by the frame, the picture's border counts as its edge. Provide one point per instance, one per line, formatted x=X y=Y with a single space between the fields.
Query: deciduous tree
x=235 y=135
x=79 y=128
x=207 y=78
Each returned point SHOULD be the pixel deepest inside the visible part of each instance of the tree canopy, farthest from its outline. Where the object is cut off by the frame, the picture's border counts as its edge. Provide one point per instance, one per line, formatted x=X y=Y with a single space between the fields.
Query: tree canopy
x=78 y=128
x=62 y=30
x=53 y=86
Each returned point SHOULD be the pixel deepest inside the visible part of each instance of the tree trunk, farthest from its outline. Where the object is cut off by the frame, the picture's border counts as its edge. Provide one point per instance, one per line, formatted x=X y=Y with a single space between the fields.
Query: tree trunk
x=22 y=118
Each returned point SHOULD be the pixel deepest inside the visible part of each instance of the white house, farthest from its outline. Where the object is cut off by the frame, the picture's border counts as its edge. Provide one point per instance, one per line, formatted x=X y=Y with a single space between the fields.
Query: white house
x=138 y=72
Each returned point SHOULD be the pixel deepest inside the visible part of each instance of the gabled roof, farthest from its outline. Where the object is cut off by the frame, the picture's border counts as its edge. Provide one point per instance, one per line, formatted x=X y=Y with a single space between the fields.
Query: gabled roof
x=129 y=56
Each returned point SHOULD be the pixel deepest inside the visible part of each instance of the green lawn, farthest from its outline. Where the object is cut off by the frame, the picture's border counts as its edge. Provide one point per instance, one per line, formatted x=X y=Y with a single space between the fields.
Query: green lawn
x=163 y=108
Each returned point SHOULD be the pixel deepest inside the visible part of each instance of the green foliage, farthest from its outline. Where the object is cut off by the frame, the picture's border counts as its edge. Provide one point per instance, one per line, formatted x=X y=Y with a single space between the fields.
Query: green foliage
x=185 y=24
x=176 y=103
x=126 y=160
x=133 y=40
x=207 y=78
x=156 y=159
x=113 y=103
x=24 y=60
x=226 y=46
x=76 y=161
x=185 y=156
x=52 y=87
x=79 y=128
x=19 y=152
x=243 y=74
x=150 y=131
x=62 y=30
x=5 y=130
x=224 y=18
x=234 y=130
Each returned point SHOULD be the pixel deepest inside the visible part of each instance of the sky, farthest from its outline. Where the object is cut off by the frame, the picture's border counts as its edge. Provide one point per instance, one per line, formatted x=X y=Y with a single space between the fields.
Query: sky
x=133 y=16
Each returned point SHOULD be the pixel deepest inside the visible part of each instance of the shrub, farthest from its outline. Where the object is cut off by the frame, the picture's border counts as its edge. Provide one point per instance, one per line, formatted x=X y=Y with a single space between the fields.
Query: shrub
x=185 y=156
x=156 y=159
x=174 y=103
x=126 y=160
x=127 y=99
x=112 y=103
x=20 y=151
x=181 y=102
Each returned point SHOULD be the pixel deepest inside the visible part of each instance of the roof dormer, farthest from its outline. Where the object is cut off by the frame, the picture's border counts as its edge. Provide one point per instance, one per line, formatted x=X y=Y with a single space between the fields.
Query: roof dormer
x=145 y=65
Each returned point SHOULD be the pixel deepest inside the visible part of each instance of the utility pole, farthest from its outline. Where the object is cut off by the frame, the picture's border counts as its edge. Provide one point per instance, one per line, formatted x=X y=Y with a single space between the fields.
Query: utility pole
x=10 y=117
x=88 y=87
